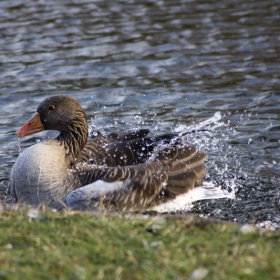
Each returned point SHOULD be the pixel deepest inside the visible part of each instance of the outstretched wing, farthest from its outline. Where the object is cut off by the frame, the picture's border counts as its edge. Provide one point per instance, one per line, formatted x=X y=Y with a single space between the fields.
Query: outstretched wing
x=174 y=171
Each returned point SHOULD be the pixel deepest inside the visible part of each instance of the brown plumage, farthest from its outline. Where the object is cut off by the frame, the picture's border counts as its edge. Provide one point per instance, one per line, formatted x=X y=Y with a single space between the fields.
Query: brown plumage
x=115 y=172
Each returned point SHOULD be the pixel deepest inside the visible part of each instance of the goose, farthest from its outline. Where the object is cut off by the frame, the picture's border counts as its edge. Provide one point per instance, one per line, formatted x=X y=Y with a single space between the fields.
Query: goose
x=96 y=172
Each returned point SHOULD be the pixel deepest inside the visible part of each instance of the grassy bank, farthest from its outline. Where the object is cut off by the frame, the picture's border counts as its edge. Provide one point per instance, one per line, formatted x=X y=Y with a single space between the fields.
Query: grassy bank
x=85 y=246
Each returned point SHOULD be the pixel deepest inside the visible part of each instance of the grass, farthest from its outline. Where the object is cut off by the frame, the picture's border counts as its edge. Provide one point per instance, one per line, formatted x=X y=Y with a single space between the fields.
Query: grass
x=81 y=245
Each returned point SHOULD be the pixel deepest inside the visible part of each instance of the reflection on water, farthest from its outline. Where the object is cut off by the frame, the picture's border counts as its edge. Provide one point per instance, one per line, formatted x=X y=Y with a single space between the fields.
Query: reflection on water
x=156 y=64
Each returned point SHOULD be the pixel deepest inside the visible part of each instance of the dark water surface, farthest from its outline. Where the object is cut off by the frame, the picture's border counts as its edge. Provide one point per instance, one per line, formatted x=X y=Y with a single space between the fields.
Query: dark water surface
x=156 y=64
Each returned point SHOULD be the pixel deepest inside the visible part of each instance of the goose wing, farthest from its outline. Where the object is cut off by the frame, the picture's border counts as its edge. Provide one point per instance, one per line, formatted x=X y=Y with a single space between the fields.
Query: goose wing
x=175 y=171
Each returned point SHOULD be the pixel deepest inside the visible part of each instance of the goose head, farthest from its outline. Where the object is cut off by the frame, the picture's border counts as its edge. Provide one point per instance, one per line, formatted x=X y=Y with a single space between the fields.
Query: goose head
x=62 y=113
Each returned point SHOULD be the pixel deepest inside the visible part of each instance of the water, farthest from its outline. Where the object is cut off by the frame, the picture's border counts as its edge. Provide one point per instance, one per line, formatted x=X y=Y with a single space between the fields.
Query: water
x=156 y=65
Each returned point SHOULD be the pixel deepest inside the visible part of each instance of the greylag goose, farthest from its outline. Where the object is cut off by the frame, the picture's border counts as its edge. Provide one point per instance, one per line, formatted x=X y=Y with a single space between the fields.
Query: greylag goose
x=113 y=172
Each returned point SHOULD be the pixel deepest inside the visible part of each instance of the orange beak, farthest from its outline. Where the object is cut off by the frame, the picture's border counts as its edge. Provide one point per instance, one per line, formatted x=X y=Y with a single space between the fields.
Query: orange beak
x=34 y=125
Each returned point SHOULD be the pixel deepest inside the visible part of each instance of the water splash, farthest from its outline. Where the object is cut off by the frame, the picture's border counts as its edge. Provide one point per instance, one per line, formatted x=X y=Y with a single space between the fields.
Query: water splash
x=214 y=121
x=185 y=201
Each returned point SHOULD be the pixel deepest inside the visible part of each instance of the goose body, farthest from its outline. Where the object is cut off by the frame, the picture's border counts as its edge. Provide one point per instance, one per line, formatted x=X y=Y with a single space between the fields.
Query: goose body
x=114 y=172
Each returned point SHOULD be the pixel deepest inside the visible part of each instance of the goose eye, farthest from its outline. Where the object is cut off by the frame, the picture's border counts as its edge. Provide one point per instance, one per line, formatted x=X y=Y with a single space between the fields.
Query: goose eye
x=51 y=107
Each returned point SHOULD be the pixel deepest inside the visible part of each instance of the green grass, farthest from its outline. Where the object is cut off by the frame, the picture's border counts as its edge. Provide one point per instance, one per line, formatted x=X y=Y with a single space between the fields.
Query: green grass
x=71 y=245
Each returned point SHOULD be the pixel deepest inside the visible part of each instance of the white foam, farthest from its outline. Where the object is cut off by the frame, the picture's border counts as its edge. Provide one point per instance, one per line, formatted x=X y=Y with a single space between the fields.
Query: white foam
x=184 y=202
